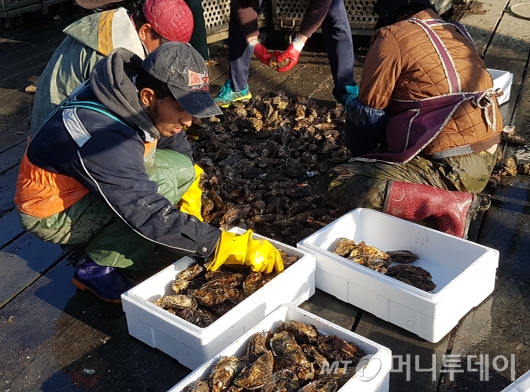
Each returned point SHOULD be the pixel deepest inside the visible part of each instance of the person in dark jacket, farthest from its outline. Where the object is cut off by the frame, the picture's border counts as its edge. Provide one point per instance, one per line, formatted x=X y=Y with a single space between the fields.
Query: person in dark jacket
x=109 y=166
x=425 y=126
x=243 y=41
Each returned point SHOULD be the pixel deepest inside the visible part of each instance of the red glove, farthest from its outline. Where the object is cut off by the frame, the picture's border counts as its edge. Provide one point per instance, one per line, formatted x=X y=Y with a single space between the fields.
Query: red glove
x=262 y=54
x=290 y=54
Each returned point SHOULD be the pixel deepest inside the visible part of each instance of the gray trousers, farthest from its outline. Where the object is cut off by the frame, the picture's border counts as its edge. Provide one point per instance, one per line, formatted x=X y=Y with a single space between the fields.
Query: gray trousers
x=90 y=220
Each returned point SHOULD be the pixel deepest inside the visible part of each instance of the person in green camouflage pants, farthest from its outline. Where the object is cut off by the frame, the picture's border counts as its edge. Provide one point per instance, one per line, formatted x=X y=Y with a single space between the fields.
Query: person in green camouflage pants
x=364 y=184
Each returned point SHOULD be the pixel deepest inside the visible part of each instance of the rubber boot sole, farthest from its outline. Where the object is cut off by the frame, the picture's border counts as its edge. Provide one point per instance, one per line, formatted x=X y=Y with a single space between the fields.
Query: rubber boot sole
x=81 y=286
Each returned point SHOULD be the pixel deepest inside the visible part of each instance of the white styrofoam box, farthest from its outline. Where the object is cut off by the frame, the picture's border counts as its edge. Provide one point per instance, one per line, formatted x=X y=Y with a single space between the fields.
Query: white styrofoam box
x=373 y=376
x=463 y=271
x=502 y=80
x=192 y=345
x=522 y=384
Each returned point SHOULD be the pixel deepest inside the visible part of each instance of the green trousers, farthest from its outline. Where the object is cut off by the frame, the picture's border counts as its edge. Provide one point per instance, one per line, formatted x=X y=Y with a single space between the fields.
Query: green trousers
x=364 y=184
x=90 y=220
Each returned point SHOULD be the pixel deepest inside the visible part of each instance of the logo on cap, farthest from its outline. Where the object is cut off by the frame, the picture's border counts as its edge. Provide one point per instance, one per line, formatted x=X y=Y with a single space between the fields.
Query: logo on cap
x=197 y=81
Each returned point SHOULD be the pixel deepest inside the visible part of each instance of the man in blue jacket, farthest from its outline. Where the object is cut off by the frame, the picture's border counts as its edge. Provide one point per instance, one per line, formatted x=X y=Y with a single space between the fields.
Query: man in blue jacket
x=108 y=169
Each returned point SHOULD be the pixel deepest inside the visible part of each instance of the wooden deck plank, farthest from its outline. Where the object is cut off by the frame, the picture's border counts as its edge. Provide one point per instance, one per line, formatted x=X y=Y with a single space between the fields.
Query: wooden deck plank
x=498 y=326
x=11 y=157
x=508 y=51
x=7 y=185
x=72 y=342
x=23 y=261
x=481 y=19
x=9 y=228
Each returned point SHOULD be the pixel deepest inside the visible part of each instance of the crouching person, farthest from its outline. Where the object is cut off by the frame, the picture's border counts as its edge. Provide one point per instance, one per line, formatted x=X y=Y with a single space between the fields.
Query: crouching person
x=107 y=168
x=426 y=124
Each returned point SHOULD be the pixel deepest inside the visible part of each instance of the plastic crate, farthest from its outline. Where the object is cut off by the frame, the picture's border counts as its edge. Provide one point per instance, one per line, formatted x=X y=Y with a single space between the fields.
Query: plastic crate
x=192 y=345
x=463 y=271
x=217 y=18
x=288 y=14
x=373 y=377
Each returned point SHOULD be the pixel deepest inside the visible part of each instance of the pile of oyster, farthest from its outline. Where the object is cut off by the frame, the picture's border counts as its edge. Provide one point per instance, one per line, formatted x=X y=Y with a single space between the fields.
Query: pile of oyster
x=201 y=296
x=378 y=260
x=295 y=358
x=264 y=165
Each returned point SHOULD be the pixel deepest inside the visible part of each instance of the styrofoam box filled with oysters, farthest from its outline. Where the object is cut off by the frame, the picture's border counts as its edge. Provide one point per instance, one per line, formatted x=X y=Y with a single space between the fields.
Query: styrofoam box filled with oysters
x=463 y=271
x=373 y=371
x=192 y=345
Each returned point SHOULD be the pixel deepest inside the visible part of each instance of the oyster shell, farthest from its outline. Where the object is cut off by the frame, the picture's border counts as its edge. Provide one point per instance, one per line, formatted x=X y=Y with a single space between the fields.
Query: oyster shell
x=197 y=386
x=281 y=381
x=177 y=301
x=224 y=372
x=191 y=272
x=344 y=247
x=337 y=349
x=253 y=282
x=303 y=333
x=255 y=375
x=320 y=386
x=402 y=256
x=413 y=275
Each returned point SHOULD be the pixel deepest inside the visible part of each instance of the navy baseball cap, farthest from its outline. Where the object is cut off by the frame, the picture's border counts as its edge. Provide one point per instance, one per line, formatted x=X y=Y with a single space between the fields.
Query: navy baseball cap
x=183 y=69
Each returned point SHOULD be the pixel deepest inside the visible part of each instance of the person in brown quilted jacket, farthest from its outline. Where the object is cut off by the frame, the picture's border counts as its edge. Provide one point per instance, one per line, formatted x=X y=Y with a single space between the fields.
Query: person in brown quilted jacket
x=426 y=124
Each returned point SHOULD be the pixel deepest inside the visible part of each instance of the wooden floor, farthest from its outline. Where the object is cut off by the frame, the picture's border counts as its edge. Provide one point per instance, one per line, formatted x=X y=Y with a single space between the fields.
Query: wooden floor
x=56 y=338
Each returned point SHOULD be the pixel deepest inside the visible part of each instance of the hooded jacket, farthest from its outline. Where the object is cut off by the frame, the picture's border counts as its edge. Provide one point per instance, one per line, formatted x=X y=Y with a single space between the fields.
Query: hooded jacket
x=79 y=150
x=87 y=41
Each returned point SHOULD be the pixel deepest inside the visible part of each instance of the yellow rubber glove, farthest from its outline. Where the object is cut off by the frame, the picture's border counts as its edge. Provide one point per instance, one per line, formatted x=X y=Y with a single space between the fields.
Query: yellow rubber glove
x=232 y=249
x=191 y=201
x=259 y=255
x=263 y=257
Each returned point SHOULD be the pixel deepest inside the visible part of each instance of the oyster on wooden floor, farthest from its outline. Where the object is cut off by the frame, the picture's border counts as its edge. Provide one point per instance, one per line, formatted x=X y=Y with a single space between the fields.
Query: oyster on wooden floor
x=413 y=275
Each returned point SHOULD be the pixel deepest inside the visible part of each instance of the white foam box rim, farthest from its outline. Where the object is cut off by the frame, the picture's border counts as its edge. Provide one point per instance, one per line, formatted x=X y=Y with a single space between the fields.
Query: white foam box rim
x=374 y=376
x=463 y=271
x=192 y=345
x=502 y=80
x=522 y=384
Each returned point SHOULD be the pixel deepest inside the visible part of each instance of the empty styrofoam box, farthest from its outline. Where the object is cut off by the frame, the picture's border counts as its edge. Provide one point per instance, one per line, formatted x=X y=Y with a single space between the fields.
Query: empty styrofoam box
x=463 y=271
x=502 y=80
x=192 y=345
x=373 y=371
x=522 y=384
